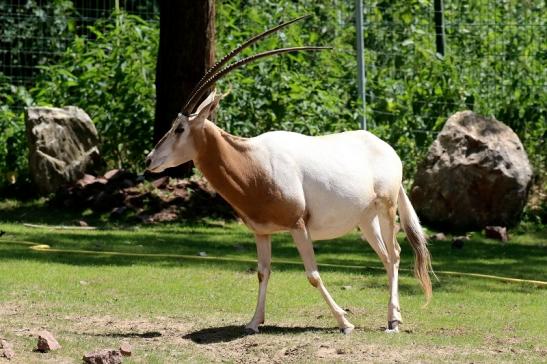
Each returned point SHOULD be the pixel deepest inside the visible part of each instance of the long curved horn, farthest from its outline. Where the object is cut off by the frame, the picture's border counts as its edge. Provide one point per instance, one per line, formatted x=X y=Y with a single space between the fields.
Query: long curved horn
x=240 y=48
x=194 y=98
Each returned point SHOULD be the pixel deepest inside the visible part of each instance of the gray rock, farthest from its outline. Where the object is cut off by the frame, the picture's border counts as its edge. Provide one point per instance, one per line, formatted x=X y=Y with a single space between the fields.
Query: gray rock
x=6 y=350
x=46 y=342
x=62 y=146
x=438 y=237
x=496 y=232
x=476 y=173
x=126 y=349
x=106 y=356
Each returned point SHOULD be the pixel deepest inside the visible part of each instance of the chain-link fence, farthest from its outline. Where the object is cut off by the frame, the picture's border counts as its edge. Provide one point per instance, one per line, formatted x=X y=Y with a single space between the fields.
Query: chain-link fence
x=34 y=32
x=480 y=32
x=486 y=43
x=493 y=63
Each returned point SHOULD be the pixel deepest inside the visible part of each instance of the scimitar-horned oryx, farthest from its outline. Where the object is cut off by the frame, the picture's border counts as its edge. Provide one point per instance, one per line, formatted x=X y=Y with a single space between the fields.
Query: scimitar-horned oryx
x=313 y=187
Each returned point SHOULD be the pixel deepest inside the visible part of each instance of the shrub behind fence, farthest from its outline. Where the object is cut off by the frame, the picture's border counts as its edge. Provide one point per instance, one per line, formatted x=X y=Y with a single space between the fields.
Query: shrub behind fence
x=494 y=64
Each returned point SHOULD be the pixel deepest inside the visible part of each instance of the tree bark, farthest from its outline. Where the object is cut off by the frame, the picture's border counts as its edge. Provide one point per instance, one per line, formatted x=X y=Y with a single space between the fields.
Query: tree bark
x=186 y=51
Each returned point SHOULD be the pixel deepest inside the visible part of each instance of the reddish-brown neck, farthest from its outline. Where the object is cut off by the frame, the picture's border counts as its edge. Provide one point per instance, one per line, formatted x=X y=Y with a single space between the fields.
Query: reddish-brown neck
x=232 y=167
x=224 y=160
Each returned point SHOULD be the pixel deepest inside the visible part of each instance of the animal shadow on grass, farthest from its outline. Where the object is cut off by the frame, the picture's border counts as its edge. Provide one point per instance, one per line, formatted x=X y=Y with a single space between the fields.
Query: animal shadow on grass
x=143 y=335
x=214 y=335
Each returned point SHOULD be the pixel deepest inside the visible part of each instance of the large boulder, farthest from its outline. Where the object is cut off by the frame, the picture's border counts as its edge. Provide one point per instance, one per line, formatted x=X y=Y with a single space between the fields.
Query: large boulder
x=62 y=146
x=476 y=173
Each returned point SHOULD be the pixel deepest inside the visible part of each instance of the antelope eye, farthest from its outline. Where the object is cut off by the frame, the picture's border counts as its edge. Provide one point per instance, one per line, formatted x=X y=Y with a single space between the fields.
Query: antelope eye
x=179 y=129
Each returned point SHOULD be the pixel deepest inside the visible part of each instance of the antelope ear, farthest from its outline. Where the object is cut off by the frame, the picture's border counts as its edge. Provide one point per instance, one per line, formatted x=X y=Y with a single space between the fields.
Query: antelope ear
x=208 y=106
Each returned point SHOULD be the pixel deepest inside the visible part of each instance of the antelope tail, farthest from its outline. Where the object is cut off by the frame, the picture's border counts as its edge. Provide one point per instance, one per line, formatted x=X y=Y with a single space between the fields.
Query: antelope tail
x=416 y=237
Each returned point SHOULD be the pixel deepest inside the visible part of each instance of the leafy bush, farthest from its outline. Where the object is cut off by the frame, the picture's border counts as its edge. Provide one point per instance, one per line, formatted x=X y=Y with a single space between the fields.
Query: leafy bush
x=307 y=92
x=13 y=146
x=30 y=34
x=411 y=91
x=112 y=78
x=33 y=33
x=494 y=66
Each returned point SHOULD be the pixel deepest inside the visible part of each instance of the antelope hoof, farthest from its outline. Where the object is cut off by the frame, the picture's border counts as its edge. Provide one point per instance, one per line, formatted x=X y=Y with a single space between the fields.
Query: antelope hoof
x=393 y=327
x=251 y=329
x=347 y=330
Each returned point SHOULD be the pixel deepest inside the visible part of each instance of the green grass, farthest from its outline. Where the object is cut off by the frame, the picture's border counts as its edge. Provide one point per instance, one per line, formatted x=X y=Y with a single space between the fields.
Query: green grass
x=191 y=309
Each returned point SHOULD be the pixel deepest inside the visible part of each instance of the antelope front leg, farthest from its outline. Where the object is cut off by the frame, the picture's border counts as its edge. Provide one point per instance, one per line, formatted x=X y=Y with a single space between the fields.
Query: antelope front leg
x=305 y=248
x=264 y=253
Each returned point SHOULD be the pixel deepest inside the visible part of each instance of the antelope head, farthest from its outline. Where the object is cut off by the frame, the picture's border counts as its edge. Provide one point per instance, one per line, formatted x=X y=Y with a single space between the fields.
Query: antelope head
x=177 y=145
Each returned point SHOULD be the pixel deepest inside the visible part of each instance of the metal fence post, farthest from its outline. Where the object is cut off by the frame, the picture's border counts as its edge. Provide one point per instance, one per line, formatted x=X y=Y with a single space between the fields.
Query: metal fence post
x=361 y=81
x=439 y=26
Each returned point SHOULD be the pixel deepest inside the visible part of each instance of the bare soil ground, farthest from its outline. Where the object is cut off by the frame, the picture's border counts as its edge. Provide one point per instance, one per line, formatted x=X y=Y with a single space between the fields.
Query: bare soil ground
x=174 y=339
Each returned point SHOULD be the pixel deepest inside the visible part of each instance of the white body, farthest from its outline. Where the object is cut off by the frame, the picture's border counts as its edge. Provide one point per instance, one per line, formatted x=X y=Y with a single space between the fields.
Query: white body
x=335 y=177
x=314 y=187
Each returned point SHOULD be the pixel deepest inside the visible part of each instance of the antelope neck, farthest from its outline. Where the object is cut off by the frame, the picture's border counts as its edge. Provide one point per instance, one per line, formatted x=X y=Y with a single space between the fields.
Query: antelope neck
x=223 y=159
x=232 y=165
x=227 y=163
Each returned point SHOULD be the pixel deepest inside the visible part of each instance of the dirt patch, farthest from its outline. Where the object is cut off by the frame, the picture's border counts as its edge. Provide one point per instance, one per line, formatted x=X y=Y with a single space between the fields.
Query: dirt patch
x=541 y=352
x=10 y=308
x=328 y=346
x=452 y=331
x=160 y=327
x=184 y=341
x=329 y=352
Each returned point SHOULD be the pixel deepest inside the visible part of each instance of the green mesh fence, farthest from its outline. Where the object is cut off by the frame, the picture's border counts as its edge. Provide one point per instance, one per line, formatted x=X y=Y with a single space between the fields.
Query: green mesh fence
x=34 y=32
x=487 y=42
x=494 y=61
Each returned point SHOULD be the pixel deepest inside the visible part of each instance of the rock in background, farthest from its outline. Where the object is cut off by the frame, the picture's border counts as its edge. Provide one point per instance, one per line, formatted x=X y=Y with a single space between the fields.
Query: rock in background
x=47 y=342
x=6 y=350
x=62 y=146
x=105 y=356
x=476 y=173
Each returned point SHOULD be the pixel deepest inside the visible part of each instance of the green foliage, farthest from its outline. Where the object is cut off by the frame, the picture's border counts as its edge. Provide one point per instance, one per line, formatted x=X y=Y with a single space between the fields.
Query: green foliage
x=161 y=285
x=494 y=65
x=112 y=78
x=34 y=33
x=312 y=93
x=13 y=146
x=110 y=75
x=30 y=34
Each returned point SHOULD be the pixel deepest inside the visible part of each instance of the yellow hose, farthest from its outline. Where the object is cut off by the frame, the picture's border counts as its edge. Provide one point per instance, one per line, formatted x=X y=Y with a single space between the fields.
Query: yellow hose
x=44 y=248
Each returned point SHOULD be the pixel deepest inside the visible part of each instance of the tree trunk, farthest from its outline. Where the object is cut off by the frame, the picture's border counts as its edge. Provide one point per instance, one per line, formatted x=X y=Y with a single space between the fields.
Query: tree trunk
x=186 y=51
